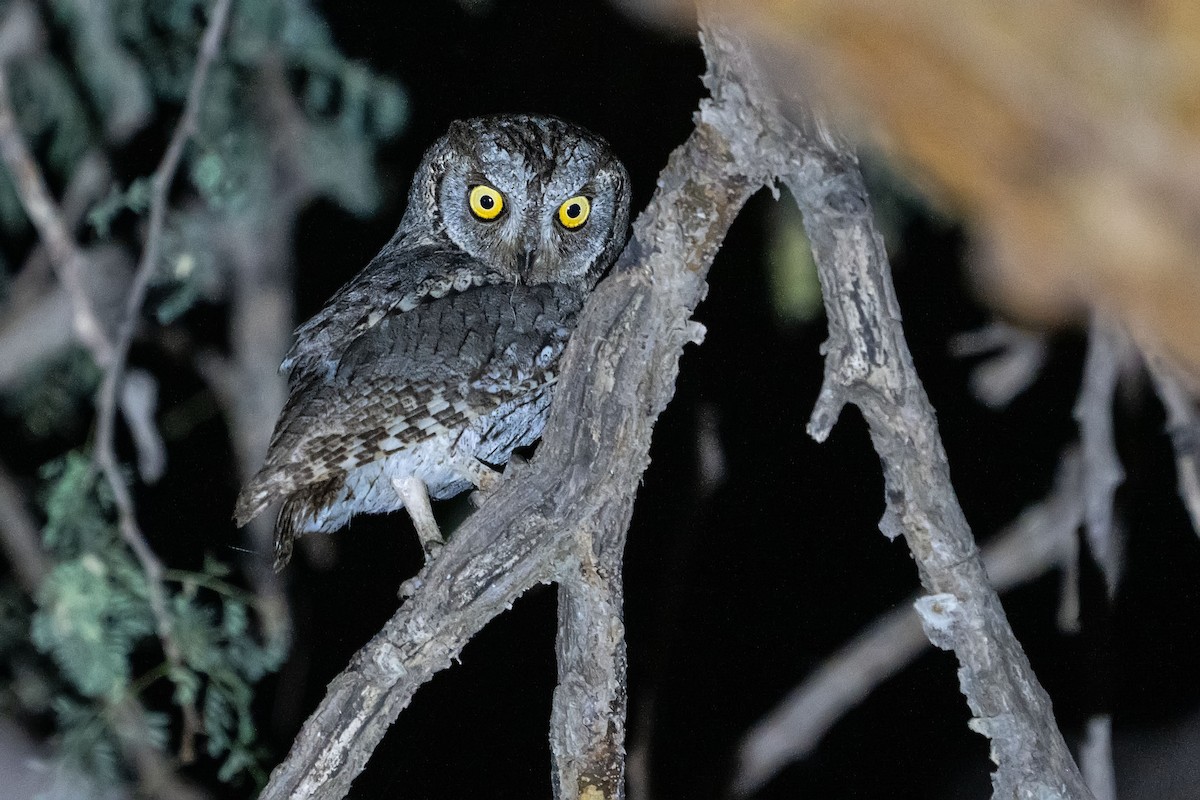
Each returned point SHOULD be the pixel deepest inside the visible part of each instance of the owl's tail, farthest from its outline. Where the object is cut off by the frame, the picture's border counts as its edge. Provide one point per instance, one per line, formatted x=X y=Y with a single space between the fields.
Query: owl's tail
x=269 y=485
x=301 y=512
x=302 y=501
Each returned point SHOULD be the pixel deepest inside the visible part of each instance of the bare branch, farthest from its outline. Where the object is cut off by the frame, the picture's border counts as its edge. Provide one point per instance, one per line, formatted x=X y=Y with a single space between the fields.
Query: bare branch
x=587 y=721
x=1183 y=425
x=868 y=363
x=1107 y=346
x=1017 y=358
x=68 y=260
x=20 y=537
x=1095 y=757
x=139 y=401
x=106 y=401
x=1040 y=539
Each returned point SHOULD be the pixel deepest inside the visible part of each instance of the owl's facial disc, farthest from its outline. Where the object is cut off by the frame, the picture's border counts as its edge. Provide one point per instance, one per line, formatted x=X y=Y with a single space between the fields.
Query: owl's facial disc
x=535 y=199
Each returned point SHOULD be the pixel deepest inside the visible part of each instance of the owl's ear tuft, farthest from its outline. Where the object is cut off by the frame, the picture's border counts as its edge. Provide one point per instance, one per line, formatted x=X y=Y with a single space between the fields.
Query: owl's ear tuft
x=460 y=130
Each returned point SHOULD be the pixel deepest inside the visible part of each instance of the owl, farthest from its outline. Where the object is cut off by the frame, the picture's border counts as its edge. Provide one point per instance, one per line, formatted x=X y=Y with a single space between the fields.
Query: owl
x=425 y=372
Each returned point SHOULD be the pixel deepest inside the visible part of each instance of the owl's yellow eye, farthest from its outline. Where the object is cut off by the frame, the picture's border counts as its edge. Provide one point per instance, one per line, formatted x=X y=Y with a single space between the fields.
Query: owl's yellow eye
x=574 y=212
x=485 y=202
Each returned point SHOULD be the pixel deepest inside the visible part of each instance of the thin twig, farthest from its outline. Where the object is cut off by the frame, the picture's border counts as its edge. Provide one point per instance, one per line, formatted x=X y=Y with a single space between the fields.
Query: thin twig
x=1015 y=357
x=1101 y=465
x=1183 y=426
x=1096 y=757
x=106 y=402
x=161 y=182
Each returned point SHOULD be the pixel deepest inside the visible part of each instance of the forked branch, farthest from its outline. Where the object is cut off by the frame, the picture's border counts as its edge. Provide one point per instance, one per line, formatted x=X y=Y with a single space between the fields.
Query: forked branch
x=868 y=363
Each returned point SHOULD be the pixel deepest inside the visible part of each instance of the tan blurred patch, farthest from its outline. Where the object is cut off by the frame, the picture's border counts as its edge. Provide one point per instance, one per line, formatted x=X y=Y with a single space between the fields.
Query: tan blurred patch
x=1065 y=132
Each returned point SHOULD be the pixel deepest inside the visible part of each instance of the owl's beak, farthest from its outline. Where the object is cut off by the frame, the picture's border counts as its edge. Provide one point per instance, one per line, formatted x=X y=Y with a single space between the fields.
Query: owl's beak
x=531 y=252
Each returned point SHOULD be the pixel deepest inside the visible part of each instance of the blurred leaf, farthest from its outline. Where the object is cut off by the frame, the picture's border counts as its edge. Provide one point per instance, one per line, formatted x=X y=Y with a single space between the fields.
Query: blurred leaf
x=78 y=508
x=342 y=166
x=795 y=289
x=135 y=198
x=52 y=397
x=87 y=743
x=116 y=82
x=92 y=612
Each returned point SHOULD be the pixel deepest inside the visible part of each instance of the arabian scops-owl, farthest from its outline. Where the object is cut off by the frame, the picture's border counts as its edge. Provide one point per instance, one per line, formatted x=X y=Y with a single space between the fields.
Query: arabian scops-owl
x=439 y=358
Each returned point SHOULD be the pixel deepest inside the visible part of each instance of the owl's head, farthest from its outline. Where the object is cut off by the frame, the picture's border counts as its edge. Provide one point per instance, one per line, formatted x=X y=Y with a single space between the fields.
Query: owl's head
x=535 y=198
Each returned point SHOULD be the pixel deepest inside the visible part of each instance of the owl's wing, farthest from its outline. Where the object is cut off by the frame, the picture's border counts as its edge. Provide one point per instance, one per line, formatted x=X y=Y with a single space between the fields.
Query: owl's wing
x=411 y=376
x=399 y=279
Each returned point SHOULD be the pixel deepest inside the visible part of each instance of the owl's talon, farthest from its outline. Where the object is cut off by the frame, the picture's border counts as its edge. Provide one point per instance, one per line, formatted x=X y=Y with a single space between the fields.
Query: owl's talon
x=481 y=476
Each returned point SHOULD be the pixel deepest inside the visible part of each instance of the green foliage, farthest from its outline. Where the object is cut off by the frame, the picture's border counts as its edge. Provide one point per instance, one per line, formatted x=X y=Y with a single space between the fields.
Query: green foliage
x=133 y=54
x=285 y=116
x=135 y=198
x=51 y=397
x=87 y=744
x=191 y=266
x=92 y=607
x=219 y=647
x=116 y=84
x=93 y=615
x=342 y=113
x=78 y=508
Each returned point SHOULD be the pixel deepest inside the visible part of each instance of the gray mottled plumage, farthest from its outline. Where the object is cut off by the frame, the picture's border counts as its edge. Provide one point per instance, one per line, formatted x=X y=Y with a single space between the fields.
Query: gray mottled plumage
x=443 y=350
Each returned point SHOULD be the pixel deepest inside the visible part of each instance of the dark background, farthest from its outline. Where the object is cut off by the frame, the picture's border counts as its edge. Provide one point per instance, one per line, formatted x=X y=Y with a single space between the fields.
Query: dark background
x=733 y=599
